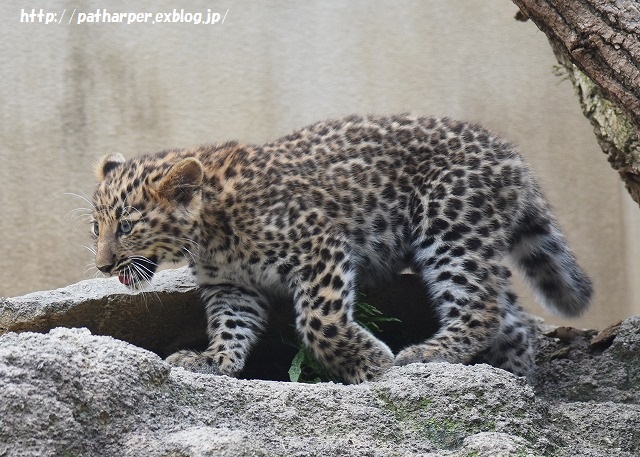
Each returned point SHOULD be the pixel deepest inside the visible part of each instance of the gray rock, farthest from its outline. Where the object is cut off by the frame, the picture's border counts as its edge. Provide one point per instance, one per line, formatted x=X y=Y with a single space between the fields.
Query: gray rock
x=165 y=317
x=573 y=366
x=71 y=392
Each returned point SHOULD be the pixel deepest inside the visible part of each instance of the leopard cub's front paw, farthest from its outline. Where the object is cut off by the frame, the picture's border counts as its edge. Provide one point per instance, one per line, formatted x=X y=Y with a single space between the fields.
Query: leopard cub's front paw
x=194 y=361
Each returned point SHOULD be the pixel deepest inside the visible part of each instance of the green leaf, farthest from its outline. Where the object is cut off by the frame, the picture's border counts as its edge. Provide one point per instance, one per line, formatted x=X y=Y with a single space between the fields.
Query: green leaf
x=295 y=370
x=369 y=316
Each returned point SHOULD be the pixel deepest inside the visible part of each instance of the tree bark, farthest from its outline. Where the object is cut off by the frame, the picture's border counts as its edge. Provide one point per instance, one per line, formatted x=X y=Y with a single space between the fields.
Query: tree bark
x=597 y=42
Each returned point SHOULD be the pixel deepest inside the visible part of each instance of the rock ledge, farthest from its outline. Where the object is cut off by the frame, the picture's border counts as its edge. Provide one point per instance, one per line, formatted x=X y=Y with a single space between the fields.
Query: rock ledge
x=74 y=391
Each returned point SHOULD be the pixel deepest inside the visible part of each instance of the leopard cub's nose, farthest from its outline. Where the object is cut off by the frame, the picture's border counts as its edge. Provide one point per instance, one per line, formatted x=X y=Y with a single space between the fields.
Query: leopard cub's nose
x=105 y=268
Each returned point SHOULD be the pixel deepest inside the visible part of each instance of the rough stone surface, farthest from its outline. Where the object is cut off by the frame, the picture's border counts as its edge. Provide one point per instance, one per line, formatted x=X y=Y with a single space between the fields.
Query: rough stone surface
x=571 y=367
x=156 y=319
x=67 y=392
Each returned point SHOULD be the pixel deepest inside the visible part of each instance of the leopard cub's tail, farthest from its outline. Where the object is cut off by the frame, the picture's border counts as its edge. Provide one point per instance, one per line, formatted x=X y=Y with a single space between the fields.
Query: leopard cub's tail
x=540 y=251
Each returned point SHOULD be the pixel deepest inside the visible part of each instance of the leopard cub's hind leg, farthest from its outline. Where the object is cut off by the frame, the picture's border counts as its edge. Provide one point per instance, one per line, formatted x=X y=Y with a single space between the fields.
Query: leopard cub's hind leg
x=480 y=317
x=460 y=269
x=513 y=348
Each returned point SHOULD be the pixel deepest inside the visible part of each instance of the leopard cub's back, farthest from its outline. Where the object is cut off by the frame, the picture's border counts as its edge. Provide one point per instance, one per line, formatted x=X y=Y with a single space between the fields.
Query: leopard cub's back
x=369 y=179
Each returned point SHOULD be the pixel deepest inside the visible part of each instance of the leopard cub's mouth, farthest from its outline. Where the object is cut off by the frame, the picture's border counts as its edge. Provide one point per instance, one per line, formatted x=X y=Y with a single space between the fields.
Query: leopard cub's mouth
x=136 y=271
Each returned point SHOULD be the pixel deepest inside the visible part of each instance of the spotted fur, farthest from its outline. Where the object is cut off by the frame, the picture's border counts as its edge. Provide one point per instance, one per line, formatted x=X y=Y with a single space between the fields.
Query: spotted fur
x=333 y=207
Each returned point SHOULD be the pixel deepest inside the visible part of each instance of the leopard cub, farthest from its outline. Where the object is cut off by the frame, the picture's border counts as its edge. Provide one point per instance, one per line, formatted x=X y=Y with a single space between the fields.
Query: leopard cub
x=333 y=207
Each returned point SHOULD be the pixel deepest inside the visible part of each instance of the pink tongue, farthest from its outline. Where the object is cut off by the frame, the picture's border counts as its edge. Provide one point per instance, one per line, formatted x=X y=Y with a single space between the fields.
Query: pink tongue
x=124 y=279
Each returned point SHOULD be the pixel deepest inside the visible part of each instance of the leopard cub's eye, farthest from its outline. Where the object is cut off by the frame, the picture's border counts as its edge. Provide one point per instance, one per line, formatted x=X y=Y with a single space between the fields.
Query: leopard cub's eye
x=125 y=226
x=95 y=228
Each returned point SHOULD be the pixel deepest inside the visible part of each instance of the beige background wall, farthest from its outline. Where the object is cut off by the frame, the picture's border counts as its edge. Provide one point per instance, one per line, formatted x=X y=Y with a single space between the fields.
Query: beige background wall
x=70 y=93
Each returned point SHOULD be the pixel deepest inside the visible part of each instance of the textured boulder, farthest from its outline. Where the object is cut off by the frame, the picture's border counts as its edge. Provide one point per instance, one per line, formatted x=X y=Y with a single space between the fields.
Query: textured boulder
x=584 y=365
x=70 y=393
x=75 y=392
x=156 y=319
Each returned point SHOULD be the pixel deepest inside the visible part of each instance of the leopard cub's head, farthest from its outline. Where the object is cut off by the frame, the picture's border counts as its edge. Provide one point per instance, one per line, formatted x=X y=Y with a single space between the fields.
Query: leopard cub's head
x=145 y=211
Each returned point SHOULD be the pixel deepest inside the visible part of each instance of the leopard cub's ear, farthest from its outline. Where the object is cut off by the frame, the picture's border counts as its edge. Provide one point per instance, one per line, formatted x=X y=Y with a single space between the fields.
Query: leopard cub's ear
x=108 y=163
x=182 y=181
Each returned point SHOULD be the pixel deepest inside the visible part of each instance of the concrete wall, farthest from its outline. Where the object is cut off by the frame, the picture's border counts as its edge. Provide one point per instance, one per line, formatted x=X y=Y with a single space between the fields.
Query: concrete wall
x=73 y=92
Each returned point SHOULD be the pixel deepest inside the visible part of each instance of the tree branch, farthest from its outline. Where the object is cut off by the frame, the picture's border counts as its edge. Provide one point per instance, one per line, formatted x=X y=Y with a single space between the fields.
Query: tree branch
x=598 y=43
